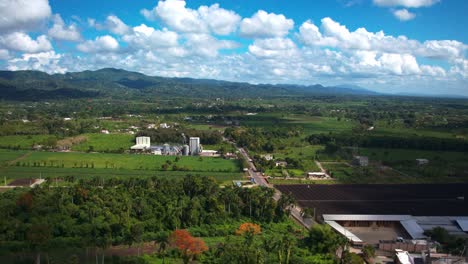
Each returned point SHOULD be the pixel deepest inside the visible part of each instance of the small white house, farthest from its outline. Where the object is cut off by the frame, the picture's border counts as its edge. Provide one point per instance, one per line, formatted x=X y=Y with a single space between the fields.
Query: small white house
x=164 y=125
x=281 y=164
x=361 y=161
x=421 y=162
x=142 y=143
x=316 y=174
x=105 y=131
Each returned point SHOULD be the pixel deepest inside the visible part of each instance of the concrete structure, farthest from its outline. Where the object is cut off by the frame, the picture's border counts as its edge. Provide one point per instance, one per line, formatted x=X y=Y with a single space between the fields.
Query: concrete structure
x=230 y=155
x=421 y=162
x=403 y=257
x=186 y=150
x=281 y=164
x=209 y=153
x=195 y=147
x=316 y=175
x=367 y=228
x=142 y=143
x=361 y=161
x=267 y=156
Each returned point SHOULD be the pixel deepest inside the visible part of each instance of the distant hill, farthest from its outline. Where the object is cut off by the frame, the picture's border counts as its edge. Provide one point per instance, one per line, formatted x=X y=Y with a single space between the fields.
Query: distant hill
x=116 y=83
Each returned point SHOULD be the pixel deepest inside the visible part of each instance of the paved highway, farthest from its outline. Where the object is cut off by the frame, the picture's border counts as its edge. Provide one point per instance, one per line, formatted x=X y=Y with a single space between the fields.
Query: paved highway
x=260 y=180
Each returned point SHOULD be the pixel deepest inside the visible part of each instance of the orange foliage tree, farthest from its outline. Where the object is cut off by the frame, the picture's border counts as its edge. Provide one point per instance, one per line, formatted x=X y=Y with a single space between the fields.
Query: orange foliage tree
x=188 y=245
x=249 y=228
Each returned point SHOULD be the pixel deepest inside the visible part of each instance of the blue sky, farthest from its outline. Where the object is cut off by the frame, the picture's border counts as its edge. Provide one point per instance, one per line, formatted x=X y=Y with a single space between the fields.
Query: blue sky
x=417 y=46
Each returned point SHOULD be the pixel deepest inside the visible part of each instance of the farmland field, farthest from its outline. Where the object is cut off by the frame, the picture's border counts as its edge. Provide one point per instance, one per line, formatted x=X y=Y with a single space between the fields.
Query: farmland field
x=414 y=199
x=9 y=155
x=442 y=164
x=23 y=141
x=82 y=173
x=412 y=155
x=106 y=142
x=310 y=124
x=127 y=161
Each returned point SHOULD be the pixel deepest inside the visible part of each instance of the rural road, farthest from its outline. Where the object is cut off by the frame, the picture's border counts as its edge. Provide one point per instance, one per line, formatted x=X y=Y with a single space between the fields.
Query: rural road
x=260 y=180
x=321 y=168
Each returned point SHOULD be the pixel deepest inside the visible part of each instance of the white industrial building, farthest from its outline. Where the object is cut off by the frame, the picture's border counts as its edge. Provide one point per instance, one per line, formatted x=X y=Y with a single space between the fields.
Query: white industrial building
x=194 y=144
x=362 y=161
x=142 y=143
x=413 y=226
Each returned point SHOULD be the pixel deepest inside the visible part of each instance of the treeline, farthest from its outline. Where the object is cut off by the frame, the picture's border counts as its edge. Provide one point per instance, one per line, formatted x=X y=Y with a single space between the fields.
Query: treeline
x=93 y=216
x=176 y=135
x=131 y=211
x=375 y=141
x=261 y=139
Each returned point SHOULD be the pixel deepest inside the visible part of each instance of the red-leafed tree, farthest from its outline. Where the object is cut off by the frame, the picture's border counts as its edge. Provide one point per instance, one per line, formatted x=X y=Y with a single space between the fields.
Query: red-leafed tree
x=25 y=201
x=249 y=228
x=188 y=245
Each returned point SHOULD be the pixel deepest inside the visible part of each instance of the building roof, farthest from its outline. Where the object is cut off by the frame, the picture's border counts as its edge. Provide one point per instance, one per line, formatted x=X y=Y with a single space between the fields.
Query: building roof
x=358 y=217
x=139 y=147
x=413 y=229
x=344 y=231
x=403 y=257
x=463 y=224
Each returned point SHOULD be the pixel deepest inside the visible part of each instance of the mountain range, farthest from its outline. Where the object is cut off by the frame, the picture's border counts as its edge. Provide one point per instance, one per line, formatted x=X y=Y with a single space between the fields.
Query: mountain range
x=116 y=83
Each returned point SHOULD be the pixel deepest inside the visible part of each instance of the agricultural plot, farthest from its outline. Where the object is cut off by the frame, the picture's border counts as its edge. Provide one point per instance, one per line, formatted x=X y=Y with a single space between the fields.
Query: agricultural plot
x=315 y=124
x=11 y=173
x=128 y=161
x=24 y=141
x=9 y=155
x=413 y=199
x=399 y=130
x=106 y=143
x=376 y=173
x=310 y=124
x=443 y=165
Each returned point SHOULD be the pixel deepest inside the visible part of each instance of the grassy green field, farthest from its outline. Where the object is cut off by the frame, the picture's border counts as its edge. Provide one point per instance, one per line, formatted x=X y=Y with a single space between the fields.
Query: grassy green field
x=301 y=181
x=9 y=155
x=81 y=173
x=381 y=128
x=411 y=155
x=310 y=124
x=315 y=124
x=401 y=173
x=83 y=165
x=22 y=141
x=106 y=143
x=127 y=161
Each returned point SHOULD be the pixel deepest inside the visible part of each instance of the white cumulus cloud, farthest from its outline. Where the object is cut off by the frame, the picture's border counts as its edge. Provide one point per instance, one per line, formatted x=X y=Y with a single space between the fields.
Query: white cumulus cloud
x=274 y=47
x=100 y=44
x=178 y=17
x=60 y=31
x=116 y=26
x=43 y=61
x=149 y=38
x=264 y=25
x=19 y=41
x=207 y=45
x=112 y=24
x=406 y=3
x=403 y=14
x=336 y=35
x=22 y=14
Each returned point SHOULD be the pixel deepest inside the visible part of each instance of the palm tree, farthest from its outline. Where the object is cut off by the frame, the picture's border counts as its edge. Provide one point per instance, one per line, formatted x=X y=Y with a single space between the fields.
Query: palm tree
x=163 y=241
